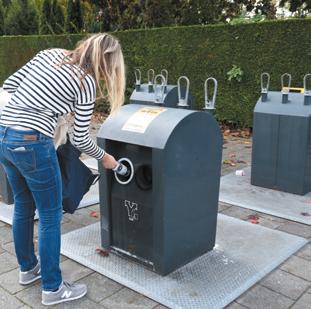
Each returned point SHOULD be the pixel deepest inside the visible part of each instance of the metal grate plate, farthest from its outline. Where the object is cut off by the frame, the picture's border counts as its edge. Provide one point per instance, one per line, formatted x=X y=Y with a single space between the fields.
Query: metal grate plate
x=244 y=254
x=237 y=190
x=90 y=198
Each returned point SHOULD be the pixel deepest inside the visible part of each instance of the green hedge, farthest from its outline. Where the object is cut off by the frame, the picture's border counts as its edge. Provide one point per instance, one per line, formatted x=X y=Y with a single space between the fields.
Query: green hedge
x=198 y=52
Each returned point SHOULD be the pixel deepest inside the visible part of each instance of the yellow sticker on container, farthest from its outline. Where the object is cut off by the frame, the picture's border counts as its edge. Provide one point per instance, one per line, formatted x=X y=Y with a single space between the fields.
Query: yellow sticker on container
x=141 y=119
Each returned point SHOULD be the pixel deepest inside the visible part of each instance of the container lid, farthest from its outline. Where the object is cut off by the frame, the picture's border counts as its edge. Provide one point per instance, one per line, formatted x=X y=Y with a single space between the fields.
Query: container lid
x=294 y=107
x=143 y=125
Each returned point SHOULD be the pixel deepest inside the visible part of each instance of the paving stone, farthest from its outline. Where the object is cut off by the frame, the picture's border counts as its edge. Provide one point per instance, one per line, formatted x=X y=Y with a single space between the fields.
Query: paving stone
x=70 y=226
x=82 y=216
x=32 y=297
x=304 y=302
x=299 y=267
x=72 y=271
x=260 y=297
x=268 y=223
x=9 y=281
x=223 y=206
x=9 y=301
x=24 y=307
x=7 y=262
x=1 y=250
x=239 y=212
x=296 y=228
x=128 y=299
x=305 y=252
x=63 y=258
x=286 y=284
x=100 y=287
x=94 y=208
x=235 y=305
x=83 y=302
x=6 y=234
x=9 y=247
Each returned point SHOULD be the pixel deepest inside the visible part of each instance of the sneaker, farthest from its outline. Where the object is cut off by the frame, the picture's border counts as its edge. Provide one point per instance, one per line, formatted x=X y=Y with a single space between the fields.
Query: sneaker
x=66 y=292
x=27 y=277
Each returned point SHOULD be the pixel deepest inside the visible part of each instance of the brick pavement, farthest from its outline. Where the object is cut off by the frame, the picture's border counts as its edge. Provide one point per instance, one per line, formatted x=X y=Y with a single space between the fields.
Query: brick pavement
x=288 y=286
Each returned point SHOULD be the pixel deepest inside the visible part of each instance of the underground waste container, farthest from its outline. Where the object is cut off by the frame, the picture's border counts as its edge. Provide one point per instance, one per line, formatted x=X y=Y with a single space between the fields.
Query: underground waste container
x=163 y=214
x=281 y=156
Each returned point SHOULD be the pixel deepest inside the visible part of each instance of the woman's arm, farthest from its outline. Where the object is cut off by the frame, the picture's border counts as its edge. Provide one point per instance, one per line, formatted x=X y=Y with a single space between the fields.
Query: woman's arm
x=81 y=135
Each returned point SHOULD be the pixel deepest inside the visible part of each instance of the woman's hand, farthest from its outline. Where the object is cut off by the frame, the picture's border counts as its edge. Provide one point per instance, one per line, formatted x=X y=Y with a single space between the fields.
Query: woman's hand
x=109 y=162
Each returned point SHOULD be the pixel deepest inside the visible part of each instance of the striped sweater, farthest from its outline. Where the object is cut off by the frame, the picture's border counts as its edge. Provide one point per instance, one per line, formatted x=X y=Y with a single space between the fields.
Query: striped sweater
x=42 y=90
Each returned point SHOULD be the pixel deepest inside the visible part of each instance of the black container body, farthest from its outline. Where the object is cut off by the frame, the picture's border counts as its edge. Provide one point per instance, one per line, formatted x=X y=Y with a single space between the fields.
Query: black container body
x=173 y=196
x=281 y=157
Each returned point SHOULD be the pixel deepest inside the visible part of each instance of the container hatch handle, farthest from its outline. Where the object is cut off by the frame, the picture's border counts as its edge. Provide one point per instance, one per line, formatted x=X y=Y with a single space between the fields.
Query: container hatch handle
x=183 y=102
x=264 y=86
x=210 y=103
x=159 y=89
x=307 y=92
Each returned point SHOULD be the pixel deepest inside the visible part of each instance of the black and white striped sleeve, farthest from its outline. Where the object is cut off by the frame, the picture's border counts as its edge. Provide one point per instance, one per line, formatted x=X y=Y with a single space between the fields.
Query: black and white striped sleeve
x=83 y=114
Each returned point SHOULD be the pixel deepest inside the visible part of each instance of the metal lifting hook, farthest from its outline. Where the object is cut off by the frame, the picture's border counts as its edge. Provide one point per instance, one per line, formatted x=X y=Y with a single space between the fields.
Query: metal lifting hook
x=150 y=75
x=137 y=73
x=307 y=92
x=164 y=72
x=210 y=103
x=285 y=90
x=264 y=87
x=183 y=102
x=159 y=94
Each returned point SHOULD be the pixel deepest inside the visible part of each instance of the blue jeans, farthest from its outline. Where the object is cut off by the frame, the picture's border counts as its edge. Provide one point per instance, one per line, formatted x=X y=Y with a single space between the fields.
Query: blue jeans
x=30 y=162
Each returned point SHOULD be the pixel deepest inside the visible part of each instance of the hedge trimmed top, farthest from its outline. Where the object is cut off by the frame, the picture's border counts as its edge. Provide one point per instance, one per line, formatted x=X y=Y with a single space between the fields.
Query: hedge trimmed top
x=198 y=52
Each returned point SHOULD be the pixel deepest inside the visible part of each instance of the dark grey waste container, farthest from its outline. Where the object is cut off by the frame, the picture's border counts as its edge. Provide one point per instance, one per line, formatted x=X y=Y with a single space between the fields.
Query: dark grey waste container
x=164 y=213
x=5 y=189
x=151 y=92
x=281 y=157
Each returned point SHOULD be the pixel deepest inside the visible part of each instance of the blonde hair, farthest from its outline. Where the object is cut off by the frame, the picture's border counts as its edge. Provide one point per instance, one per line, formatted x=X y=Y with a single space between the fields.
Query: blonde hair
x=101 y=56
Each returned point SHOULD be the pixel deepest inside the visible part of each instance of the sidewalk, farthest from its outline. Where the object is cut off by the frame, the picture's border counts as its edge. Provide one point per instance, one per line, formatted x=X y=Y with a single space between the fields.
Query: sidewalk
x=288 y=286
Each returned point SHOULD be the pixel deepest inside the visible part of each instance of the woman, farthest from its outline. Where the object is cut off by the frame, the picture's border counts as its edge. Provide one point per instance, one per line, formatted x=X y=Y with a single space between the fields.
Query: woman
x=53 y=83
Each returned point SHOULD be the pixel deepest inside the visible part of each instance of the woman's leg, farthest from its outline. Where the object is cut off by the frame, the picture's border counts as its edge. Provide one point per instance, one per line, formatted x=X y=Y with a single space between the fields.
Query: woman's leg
x=33 y=155
x=23 y=219
x=45 y=184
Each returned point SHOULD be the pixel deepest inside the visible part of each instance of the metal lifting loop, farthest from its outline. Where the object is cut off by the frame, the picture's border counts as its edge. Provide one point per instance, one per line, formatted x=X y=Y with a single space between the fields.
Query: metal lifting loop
x=285 y=89
x=150 y=74
x=159 y=95
x=183 y=102
x=265 y=89
x=137 y=76
x=307 y=92
x=164 y=72
x=210 y=104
